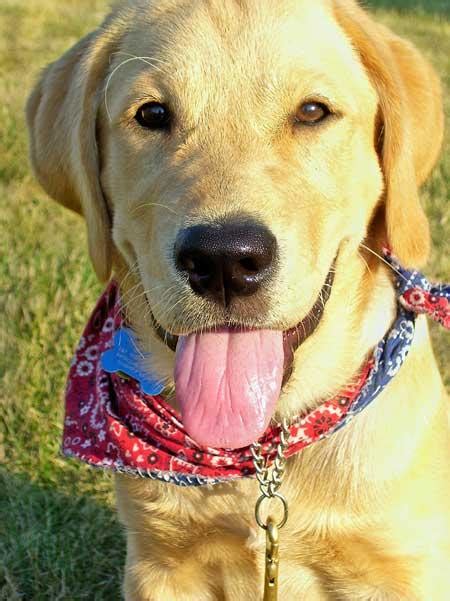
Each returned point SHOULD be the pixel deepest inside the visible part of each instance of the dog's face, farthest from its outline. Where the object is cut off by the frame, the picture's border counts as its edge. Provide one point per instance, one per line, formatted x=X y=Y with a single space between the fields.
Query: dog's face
x=269 y=114
x=233 y=153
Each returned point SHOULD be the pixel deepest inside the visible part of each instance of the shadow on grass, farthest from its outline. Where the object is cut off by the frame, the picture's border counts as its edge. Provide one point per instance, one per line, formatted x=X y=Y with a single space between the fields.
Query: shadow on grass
x=56 y=546
x=432 y=7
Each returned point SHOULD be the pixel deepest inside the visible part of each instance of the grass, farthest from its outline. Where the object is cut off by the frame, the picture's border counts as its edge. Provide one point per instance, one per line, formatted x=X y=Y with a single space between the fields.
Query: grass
x=434 y=7
x=59 y=537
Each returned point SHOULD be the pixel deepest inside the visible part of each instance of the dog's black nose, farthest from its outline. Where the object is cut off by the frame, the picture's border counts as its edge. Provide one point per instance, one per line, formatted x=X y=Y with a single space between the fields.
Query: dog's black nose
x=226 y=260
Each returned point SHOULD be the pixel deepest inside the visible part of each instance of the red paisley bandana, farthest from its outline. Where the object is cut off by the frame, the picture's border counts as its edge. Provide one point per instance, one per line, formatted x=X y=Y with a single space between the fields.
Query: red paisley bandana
x=111 y=423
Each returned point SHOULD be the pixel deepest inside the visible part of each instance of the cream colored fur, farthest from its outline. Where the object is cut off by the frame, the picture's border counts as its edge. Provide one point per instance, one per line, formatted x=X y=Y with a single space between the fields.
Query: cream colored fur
x=369 y=512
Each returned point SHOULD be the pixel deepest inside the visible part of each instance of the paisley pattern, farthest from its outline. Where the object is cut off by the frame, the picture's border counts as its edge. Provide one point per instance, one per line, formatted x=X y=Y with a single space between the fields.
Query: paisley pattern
x=111 y=423
x=418 y=295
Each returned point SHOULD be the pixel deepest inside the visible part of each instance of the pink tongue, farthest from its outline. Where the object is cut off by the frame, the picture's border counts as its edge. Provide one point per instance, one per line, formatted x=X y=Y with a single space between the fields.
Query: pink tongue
x=227 y=384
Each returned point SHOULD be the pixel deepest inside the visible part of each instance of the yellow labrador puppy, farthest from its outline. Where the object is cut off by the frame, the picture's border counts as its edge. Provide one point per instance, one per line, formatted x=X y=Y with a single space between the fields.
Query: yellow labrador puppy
x=228 y=156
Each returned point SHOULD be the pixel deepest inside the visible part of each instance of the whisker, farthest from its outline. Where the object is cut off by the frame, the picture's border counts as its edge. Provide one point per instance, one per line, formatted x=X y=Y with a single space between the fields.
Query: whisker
x=366 y=264
x=140 y=295
x=134 y=269
x=154 y=204
x=124 y=62
x=129 y=297
x=169 y=291
x=128 y=294
x=122 y=306
x=384 y=261
x=169 y=310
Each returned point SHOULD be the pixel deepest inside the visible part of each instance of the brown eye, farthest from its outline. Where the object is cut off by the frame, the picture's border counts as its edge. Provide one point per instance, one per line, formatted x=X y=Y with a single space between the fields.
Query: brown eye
x=311 y=113
x=153 y=115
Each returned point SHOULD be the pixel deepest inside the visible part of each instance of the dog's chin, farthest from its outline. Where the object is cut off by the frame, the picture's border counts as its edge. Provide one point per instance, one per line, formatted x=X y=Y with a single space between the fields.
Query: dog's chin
x=292 y=337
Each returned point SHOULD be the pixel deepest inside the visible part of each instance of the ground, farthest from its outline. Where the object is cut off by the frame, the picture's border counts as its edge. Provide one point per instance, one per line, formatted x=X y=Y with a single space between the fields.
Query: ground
x=59 y=537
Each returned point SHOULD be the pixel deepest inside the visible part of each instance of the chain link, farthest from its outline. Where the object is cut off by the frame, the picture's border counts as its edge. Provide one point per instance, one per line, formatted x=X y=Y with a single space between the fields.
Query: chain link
x=270 y=479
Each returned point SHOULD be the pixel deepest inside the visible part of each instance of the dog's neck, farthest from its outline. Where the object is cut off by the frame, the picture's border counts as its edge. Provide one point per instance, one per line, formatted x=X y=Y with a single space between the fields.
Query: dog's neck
x=364 y=460
x=358 y=315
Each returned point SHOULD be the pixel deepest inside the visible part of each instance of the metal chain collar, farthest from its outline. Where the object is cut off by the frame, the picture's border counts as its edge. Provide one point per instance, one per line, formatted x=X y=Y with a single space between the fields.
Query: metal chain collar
x=270 y=479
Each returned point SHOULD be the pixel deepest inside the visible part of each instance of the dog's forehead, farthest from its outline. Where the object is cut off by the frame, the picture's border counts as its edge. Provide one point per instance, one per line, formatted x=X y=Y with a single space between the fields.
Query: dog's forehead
x=190 y=40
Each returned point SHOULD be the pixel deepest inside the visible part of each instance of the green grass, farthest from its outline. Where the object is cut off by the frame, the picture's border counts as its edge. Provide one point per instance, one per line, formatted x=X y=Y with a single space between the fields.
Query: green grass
x=59 y=537
x=436 y=7
x=56 y=545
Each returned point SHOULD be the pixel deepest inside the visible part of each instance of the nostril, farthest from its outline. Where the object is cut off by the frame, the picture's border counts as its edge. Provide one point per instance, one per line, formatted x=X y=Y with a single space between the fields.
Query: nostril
x=186 y=264
x=249 y=265
x=203 y=266
x=196 y=265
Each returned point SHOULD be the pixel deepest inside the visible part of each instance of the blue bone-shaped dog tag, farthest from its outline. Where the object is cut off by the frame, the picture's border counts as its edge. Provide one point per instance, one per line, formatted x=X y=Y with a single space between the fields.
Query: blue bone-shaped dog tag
x=125 y=358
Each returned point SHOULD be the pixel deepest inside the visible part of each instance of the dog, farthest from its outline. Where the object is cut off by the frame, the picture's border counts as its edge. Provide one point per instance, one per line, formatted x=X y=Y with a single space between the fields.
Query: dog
x=227 y=158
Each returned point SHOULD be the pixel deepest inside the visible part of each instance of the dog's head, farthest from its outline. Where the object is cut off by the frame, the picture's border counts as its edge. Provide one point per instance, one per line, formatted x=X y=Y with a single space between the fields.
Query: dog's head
x=234 y=155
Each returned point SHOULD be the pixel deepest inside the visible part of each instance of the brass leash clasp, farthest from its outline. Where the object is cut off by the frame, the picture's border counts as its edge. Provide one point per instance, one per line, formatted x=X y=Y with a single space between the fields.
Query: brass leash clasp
x=272 y=556
x=272 y=561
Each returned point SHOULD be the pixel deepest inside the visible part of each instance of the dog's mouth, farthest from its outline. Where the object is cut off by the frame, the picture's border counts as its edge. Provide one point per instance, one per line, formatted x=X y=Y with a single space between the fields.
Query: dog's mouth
x=228 y=380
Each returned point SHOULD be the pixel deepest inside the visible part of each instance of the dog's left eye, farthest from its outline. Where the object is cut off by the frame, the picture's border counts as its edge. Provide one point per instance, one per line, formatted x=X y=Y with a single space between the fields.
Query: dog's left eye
x=153 y=115
x=312 y=112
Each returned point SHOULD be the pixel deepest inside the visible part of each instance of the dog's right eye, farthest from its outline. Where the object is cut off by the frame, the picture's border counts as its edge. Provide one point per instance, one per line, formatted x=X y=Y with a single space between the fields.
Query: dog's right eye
x=153 y=115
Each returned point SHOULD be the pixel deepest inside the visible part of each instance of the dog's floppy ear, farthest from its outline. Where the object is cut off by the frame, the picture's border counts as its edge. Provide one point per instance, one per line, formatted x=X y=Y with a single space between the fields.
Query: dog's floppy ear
x=410 y=128
x=62 y=115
